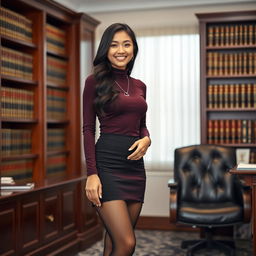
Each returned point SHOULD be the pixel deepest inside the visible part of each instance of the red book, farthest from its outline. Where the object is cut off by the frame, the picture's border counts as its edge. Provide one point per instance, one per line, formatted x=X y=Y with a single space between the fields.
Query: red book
x=233 y=131
x=221 y=131
x=239 y=131
x=210 y=132
x=216 y=131
x=227 y=132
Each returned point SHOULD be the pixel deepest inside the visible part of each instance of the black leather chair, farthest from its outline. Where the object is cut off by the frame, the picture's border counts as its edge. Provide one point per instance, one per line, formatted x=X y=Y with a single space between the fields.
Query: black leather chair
x=204 y=194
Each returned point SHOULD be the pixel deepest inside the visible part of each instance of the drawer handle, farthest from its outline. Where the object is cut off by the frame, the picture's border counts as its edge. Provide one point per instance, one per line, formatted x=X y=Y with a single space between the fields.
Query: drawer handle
x=50 y=218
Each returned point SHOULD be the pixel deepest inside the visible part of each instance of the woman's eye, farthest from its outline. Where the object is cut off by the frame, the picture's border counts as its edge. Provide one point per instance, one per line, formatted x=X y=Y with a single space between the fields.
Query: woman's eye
x=127 y=45
x=113 y=45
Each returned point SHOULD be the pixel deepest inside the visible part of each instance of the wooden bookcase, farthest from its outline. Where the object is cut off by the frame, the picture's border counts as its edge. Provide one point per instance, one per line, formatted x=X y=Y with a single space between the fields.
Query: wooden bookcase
x=228 y=79
x=40 y=125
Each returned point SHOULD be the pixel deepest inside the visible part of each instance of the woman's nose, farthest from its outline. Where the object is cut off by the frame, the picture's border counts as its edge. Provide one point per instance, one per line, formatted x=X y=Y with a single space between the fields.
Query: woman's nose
x=120 y=49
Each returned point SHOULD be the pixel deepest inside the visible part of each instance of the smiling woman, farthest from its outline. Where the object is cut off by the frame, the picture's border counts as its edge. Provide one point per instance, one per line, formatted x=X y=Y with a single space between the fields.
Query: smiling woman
x=120 y=51
x=115 y=167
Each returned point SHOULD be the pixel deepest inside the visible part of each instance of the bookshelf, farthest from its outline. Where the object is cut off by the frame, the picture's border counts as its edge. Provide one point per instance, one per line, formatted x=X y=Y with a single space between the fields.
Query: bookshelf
x=40 y=124
x=228 y=79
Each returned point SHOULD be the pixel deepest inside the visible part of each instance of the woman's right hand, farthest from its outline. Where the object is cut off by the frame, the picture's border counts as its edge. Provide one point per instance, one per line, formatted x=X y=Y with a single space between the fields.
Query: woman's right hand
x=93 y=189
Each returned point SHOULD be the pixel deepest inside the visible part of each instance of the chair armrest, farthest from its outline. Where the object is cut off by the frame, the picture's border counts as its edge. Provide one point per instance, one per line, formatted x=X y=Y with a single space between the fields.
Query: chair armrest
x=247 y=201
x=172 y=184
x=173 y=200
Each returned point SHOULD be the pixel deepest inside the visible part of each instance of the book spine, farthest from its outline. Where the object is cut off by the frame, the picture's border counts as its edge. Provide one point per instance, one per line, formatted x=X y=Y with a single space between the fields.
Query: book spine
x=226 y=96
x=244 y=131
x=210 y=96
x=210 y=132
x=216 y=131
x=233 y=131
x=227 y=132
x=221 y=96
x=237 y=96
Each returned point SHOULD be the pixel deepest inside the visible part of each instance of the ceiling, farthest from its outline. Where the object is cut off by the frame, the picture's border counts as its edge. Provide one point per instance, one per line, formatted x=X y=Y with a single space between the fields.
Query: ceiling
x=98 y=6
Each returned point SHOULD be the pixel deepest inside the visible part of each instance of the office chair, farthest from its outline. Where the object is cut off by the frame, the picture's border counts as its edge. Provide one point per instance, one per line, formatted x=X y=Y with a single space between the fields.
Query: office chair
x=204 y=194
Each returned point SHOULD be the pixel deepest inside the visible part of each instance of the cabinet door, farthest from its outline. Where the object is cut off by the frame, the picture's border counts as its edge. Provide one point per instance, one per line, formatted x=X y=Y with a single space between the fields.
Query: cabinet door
x=8 y=229
x=68 y=209
x=29 y=222
x=50 y=215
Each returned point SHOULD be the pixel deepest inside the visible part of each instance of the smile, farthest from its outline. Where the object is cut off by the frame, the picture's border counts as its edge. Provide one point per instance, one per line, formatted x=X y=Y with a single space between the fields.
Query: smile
x=120 y=58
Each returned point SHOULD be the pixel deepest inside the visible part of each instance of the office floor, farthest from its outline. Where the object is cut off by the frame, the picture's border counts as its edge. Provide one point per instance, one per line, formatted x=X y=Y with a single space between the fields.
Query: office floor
x=166 y=243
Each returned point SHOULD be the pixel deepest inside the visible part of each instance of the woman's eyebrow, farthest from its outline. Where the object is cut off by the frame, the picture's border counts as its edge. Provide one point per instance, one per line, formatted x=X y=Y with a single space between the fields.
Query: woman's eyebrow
x=114 y=41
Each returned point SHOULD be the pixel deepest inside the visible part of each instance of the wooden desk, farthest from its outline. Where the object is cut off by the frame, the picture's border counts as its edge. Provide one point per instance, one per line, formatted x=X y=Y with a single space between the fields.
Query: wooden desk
x=249 y=178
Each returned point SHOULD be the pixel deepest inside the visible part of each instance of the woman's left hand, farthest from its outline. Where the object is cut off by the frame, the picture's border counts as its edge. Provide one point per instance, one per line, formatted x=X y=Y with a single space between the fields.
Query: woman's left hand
x=142 y=147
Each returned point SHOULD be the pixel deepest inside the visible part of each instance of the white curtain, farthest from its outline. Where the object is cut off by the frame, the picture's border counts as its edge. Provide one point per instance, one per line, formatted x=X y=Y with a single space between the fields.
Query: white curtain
x=168 y=63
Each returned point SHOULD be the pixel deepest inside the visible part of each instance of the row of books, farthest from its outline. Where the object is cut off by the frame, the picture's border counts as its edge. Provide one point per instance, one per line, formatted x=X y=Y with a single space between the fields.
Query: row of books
x=15 y=141
x=231 y=131
x=17 y=103
x=56 y=39
x=231 y=95
x=232 y=63
x=17 y=64
x=56 y=165
x=231 y=34
x=20 y=170
x=56 y=139
x=15 y=25
x=56 y=103
x=56 y=70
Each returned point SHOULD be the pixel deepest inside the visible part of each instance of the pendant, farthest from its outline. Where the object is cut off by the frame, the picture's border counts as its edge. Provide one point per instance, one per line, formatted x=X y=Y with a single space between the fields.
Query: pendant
x=126 y=94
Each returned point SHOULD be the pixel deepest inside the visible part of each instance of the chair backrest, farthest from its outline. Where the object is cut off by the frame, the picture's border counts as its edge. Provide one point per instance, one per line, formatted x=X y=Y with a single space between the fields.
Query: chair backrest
x=202 y=173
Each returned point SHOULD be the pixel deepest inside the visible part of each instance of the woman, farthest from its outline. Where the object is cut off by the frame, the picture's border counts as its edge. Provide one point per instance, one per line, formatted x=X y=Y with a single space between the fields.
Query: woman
x=115 y=168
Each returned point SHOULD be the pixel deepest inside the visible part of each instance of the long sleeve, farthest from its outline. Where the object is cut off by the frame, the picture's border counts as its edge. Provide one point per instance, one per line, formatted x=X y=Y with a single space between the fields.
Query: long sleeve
x=89 y=120
x=143 y=127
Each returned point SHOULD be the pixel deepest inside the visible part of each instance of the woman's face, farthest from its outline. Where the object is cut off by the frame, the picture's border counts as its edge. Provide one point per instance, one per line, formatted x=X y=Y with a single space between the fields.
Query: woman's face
x=120 y=51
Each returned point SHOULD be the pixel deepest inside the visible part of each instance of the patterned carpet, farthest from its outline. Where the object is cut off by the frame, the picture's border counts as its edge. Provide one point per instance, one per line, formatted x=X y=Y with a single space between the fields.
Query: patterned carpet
x=167 y=243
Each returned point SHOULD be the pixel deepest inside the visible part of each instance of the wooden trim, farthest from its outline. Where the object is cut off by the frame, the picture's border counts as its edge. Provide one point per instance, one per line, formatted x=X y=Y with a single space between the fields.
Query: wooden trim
x=161 y=223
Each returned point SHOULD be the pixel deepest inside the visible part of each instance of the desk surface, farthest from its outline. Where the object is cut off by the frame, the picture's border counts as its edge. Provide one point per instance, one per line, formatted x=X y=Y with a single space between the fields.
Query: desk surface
x=249 y=176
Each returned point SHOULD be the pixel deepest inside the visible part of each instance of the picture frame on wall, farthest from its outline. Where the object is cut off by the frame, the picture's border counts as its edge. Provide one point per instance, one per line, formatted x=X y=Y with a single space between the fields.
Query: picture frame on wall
x=242 y=155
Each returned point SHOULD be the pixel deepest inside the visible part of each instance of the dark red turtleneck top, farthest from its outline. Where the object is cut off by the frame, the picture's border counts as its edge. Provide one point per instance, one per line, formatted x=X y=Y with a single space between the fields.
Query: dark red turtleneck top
x=125 y=115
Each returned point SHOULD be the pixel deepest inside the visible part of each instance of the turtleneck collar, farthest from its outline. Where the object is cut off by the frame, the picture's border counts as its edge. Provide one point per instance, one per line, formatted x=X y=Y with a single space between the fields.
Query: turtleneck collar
x=119 y=73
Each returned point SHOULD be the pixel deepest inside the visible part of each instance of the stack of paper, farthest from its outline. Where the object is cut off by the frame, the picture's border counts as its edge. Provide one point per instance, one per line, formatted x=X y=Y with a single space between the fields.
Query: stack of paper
x=7 y=183
x=7 y=180
x=251 y=167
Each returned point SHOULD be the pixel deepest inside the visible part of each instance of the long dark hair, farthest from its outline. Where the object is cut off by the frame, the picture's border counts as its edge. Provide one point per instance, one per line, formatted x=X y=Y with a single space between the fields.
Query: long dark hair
x=102 y=67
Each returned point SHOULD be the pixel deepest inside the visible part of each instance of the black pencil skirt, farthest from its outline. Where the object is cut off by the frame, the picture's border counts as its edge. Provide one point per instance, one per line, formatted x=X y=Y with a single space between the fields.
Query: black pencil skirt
x=121 y=179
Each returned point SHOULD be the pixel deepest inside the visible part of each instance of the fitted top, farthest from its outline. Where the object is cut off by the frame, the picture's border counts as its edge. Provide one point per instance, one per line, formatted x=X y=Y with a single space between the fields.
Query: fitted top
x=126 y=115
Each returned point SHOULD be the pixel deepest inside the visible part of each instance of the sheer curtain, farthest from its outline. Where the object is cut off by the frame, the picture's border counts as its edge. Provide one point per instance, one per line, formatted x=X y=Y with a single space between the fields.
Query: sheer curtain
x=168 y=62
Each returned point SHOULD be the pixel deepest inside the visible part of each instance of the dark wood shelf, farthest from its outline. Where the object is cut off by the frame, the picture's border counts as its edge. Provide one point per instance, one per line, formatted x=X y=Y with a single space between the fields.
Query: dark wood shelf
x=208 y=24
x=58 y=55
x=19 y=157
x=14 y=42
x=53 y=153
x=55 y=85
x=231 y=109
x=55 y=217
x=19 y=120
x=230 y=47
x=46 y=185
x=240 y=145
x=18 y=80
x=231 y=76
x=55 y=121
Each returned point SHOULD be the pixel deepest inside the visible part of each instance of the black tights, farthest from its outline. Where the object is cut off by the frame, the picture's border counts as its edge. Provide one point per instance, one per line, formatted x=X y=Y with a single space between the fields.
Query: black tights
x=119 y=218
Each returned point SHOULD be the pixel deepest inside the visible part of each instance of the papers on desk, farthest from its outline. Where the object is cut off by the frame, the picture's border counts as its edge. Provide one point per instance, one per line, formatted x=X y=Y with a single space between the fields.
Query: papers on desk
x=250 y=167
x=7 y=183
x=26 y=186
x=7 y=180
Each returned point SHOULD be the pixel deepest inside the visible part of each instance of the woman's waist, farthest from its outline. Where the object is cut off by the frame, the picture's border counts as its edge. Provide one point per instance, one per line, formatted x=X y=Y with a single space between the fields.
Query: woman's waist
x=115 y=142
